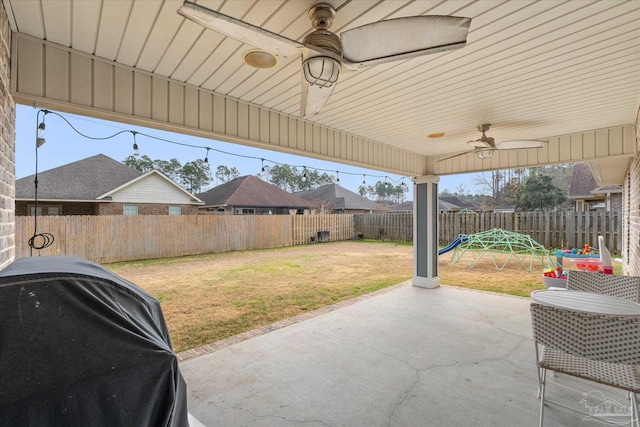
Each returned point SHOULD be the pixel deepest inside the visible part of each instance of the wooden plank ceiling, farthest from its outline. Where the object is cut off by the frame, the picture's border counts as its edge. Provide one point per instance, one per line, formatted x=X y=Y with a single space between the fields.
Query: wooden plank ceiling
x=533 y=69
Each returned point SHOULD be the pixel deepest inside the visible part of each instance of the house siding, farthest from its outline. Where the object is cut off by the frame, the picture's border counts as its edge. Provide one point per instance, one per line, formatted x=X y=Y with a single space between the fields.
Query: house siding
x=150 y=189
x=7 y=148
x=631 y=215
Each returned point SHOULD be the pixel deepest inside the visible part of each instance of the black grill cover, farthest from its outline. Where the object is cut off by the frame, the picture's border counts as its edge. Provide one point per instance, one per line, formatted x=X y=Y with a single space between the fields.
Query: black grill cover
x=80 y=346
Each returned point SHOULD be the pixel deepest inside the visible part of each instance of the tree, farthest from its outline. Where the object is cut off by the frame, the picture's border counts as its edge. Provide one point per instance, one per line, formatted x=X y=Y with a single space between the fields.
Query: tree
x=283 y=176
x=143 y=164
x=225 y=174
x=169 y=168
x=313 y=179
x=195 y=175
x=539 y=192
x=461 y=189
x=386 y=192
x=289 y=178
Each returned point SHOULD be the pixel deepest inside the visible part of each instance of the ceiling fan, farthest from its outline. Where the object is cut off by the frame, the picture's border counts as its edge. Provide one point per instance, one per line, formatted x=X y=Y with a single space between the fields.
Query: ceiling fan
x=485 y=146
x=325 y=54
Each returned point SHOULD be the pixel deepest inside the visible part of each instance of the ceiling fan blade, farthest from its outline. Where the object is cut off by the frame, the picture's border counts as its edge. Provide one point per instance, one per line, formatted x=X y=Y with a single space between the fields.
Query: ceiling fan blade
x=240 y=30
x=521 y=144
x=487 y=142
x=454 y=156
x=313 y=98
x=404 y=38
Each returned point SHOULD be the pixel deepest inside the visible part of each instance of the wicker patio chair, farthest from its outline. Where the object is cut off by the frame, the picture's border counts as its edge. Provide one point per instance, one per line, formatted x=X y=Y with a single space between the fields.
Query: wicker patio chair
x=603 y=349
x=627 y=287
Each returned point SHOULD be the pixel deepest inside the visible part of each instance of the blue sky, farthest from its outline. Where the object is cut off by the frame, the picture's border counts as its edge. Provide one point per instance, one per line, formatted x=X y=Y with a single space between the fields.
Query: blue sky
x=65 y=146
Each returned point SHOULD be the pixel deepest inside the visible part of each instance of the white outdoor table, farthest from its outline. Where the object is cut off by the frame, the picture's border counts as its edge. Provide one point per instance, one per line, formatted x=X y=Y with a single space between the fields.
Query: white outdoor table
x=587 y=302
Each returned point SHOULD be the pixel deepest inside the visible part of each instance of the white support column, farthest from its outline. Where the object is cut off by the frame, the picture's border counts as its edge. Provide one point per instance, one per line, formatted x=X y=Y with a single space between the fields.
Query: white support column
x=425 y=232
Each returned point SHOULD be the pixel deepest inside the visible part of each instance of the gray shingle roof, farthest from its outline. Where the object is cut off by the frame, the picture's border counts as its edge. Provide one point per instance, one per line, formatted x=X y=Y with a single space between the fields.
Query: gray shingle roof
x=338 y=197
x=455 y=202
x=82 y=180
x=249 y=191
x=402 y=207
x=582 y=181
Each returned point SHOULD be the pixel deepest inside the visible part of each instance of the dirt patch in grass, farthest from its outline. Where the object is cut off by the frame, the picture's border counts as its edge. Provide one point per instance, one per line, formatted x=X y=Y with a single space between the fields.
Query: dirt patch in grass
x=211 y=297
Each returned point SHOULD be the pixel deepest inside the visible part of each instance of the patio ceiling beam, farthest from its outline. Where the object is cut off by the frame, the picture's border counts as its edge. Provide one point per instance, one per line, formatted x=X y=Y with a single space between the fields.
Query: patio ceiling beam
x=616 y=145
x=48 y=75
x=52 y=76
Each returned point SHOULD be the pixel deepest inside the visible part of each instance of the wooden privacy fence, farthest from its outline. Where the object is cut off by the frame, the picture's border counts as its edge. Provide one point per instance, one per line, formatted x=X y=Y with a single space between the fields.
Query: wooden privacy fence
x=389 y=227
x=106 y=239
x=305 y=228
x=551 y=229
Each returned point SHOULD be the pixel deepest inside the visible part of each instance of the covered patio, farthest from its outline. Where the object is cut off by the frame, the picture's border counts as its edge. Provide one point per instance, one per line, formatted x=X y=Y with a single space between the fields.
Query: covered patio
x=567 y=72
x=404 y=356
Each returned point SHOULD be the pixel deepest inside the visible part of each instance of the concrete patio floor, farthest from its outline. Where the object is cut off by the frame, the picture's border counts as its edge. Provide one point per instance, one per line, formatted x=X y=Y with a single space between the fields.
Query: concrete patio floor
x=406 y=357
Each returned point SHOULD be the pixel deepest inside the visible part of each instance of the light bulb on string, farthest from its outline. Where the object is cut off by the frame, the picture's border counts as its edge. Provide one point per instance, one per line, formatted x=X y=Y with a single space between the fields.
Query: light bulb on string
x=40 y=130
x=136 y=151
x=40 y=135
x=261 y=173
x=265 y=168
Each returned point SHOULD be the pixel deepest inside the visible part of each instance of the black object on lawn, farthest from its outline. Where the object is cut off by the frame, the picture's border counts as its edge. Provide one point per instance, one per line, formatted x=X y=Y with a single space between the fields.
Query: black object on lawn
x=80 y=346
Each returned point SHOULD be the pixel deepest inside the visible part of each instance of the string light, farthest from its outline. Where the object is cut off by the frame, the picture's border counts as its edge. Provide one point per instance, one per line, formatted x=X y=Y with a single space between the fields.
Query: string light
x=364 y=177
x=386 y=182
x=304 y=174
x=39 y=240
x=136 y=152
x=183 y=144
x=206 y=157
x=40 y=134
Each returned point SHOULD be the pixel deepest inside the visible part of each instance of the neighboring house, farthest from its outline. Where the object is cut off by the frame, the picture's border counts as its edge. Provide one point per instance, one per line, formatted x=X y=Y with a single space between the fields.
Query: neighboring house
x=404 y=207
x=332 y=198
x=100 y=185
x=456 y=204
x=444 y=206
x=588 y=196
x=249 y=195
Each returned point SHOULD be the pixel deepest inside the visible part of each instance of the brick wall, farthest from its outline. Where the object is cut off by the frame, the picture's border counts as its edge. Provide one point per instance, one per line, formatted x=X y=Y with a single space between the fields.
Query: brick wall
x=631 y=215
x=145 y=209
x=7 y=148
x=103 y=208
x=67 y=208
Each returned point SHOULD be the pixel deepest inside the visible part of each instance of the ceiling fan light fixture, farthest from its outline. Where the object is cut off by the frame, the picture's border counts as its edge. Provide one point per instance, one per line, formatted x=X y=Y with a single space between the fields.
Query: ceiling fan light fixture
x=321 y=71
x=484 y=154
x=259 y=58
